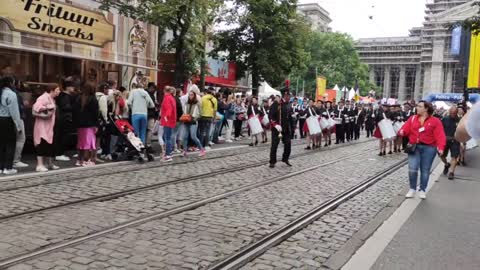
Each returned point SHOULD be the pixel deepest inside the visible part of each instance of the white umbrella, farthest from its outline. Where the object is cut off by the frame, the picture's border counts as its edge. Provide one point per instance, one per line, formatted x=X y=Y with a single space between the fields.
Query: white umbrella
x=336 y=88
x=351 y=94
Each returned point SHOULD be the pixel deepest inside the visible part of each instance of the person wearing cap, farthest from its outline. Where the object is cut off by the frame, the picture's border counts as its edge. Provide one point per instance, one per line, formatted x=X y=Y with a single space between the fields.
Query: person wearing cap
x=295 y=113
x=340 y=117
x=350 y=122
x=380 y=114
x=396 y=115
x=64 y=122
x=406 y=112
x=280 y=116
x=308 y=112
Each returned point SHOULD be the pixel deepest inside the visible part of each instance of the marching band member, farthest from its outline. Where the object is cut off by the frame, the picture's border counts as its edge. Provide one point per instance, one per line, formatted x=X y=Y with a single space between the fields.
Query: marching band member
x=318 y=114
x=407 y=112
x=327 y=114
x=280 y=117
x=265 y=108
x=369 y=120
x=254 y=111
x=396 y=115
x=340 y=118
x=295 y=108
x=359 y=122
x=379 y=116
x=307 y=112
x=302 y=118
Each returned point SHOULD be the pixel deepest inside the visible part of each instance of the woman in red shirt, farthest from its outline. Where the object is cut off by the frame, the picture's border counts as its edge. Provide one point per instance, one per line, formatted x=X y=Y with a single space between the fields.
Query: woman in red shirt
x=168 y=120
x=426 y=133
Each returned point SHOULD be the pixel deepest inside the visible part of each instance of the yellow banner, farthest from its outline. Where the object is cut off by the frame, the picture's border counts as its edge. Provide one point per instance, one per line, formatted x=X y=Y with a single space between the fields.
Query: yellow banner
x=474 y=63
x=57 y=20
x=321 y=87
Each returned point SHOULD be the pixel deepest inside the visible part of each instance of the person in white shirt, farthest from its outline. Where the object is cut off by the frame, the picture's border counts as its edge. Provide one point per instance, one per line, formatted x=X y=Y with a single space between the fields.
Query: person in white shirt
x=469 y=126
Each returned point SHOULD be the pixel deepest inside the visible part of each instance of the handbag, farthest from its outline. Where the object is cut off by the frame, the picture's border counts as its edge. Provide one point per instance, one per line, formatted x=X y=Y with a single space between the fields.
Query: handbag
x=410 y=149
x=186 y=118
x=265 y=119
x=42 y=115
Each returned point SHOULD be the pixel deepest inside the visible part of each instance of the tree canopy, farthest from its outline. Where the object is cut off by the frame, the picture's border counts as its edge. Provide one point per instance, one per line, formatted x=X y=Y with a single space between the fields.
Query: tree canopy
x=333 y=56
x=184 y=18
x=266 y=37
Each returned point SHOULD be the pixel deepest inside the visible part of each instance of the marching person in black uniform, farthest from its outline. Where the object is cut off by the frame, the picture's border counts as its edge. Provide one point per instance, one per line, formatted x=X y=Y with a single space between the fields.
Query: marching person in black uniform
x=254 y=111
x=307 y=112
x=340 y=116
x=396 y=115
x=350 y=122
x=280 y=116
x=302 y=118
x=359 y=122
x=369 y=120
x=295 y=113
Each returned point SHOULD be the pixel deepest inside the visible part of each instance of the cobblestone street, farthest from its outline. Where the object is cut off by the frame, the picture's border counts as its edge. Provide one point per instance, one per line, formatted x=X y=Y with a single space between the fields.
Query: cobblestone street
x=197 y=238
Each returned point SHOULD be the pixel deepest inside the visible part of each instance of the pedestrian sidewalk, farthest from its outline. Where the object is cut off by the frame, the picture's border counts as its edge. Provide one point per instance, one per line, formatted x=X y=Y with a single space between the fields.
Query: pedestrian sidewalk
x=443 y=232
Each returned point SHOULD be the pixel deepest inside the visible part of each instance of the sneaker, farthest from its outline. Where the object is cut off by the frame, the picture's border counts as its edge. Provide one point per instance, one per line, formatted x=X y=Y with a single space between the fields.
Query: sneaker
x=229 y=141
x=167 y=159
x=78 y=163
x=53 y=167
x=202 y=153
x=208 y=148
x=451 y=176
x=220 y=138
x=41 y=169
x=62 y=158
x=422 y=195
x=20 y=164
x=88 y=164
x=211 y=143
x=108 y=157
x=445 y=169
x=410 y=194
x=8 y=172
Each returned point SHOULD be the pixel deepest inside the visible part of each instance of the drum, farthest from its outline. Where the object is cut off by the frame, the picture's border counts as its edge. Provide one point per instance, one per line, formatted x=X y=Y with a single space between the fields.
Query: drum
x=397 y=126
x=386 y=128
x=313 y=125
x=323 y=123
x=255 y=125
x=265 y=120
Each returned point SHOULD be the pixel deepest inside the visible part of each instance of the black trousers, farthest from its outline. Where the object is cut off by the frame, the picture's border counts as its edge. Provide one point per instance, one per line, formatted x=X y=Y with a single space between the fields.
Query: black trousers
x=293 y=125
x=349 y=131
x=237 y=126
x=340 y=133
x=369 y=131
x=8 y=138
x=287 y=146
x=356 y=131
x=301 y=122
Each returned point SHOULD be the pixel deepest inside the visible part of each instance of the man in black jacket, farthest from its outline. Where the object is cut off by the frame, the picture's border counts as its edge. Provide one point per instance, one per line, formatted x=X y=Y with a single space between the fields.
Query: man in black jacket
x=64 y=118
x=280 y=116
x=152 y=114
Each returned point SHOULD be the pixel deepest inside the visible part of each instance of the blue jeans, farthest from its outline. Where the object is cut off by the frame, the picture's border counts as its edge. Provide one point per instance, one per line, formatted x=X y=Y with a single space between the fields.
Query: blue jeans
x=139 y=123
x=204 y=126
x=422 y=159
x=192 y=131
x=168 y=133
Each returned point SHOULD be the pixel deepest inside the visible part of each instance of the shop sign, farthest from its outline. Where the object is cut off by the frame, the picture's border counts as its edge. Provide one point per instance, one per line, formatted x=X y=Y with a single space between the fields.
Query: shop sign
x=57 y=20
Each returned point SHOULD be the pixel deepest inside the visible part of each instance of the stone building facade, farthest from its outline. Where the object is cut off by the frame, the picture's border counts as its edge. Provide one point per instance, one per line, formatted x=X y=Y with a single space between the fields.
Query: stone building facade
x=422 y=63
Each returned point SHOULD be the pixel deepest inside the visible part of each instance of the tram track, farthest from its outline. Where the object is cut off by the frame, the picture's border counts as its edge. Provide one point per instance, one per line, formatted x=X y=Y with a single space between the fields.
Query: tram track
x=163 y=214
x=254 y=250
x=126 y=192
x=119 y=167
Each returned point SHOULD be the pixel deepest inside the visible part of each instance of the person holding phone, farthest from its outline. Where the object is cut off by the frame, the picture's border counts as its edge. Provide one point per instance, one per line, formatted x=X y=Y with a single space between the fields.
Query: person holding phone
x=426 y=138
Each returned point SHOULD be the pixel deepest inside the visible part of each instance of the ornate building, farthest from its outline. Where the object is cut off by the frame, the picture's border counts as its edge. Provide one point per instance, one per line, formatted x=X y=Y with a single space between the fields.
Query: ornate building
x=318 y=17
x=424 y=62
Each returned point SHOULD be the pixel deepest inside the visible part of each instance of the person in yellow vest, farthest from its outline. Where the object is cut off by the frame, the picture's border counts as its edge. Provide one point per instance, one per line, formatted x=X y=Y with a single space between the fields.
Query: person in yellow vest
x=209 y=109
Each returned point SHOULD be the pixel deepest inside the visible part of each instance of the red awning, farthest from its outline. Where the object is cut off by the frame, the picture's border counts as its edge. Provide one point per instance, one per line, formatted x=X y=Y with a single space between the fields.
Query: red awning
x=215 y=81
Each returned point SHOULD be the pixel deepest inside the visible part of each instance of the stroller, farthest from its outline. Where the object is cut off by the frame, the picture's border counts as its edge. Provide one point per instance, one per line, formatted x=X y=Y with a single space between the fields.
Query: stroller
x=130 y=147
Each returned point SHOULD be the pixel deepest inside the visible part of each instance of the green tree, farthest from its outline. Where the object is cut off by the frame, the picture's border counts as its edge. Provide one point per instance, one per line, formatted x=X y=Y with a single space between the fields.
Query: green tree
x=187 y=19
x=265 y=37
x=333 y=56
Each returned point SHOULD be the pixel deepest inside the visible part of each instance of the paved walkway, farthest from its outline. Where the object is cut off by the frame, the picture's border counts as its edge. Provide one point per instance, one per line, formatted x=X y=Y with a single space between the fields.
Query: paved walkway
x=443 y=232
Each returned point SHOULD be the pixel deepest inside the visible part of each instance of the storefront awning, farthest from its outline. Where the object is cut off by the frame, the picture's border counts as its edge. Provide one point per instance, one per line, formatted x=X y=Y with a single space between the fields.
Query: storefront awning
x=70 y=55
x=226 y=85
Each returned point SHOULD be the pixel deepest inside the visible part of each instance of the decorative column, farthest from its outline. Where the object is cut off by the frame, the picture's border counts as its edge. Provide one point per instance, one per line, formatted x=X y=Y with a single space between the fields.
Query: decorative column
x=386 y=82
x=418 y=79
x=372 y=74
x=401 y=84
x=448 y=88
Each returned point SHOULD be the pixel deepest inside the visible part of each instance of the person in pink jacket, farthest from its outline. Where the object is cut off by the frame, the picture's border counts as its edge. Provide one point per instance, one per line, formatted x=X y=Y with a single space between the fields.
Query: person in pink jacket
x=44 y=113
x=168 y=120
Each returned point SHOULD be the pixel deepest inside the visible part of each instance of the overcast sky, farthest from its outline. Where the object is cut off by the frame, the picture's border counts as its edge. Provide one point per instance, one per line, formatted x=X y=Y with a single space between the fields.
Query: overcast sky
x=390 y=17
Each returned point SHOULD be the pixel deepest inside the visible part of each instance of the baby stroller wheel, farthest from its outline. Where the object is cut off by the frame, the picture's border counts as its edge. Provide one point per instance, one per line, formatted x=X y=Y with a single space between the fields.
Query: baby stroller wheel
x=150 y=157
